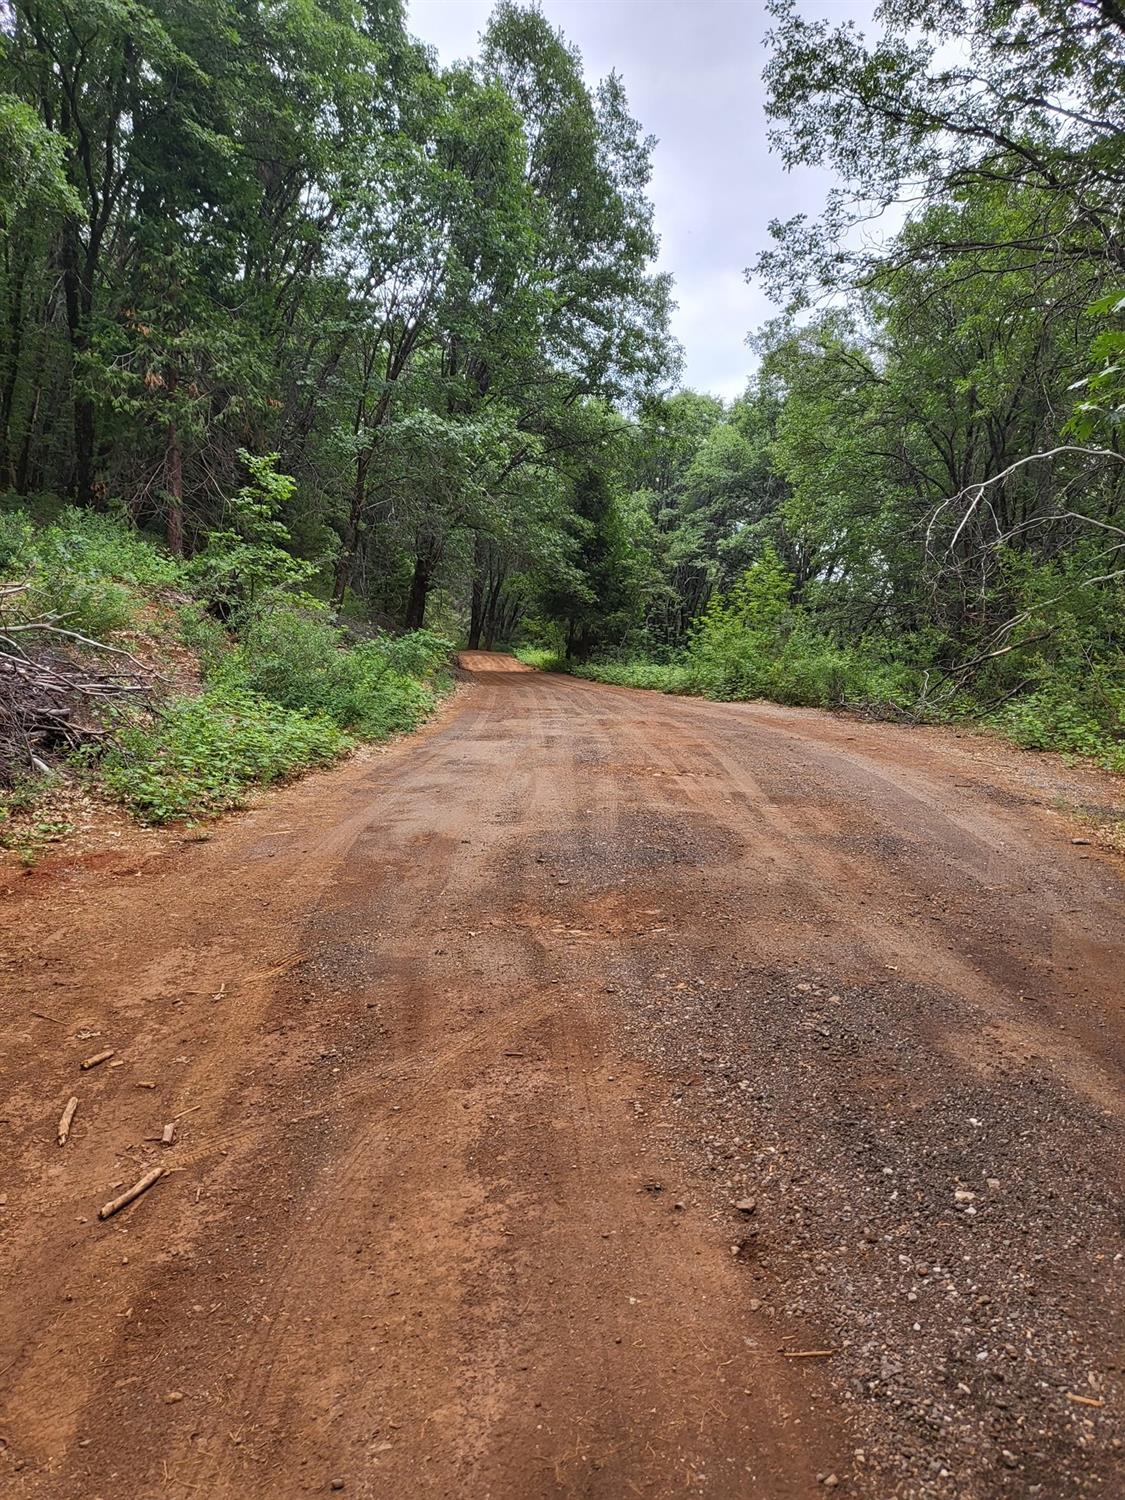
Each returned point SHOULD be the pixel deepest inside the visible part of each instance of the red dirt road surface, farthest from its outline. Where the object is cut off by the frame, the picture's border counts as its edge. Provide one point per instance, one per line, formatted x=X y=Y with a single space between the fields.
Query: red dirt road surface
x=599 y=1095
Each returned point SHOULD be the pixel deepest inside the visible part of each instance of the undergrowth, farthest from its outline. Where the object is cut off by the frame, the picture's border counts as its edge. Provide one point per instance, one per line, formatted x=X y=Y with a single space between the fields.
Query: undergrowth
x=1065 y=693
x=274 y=687
x=199 y=754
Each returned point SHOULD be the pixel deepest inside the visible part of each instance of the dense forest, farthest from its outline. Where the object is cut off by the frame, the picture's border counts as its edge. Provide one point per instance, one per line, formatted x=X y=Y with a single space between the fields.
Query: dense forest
x=358 y=344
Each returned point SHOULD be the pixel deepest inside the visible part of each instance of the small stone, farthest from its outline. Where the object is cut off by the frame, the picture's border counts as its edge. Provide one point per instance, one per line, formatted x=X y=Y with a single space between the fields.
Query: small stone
x=172 y=1397
x=1080 y=841
x=755 y=1303
x=337 y=1484
x=746 y=1205
x=830 y=1481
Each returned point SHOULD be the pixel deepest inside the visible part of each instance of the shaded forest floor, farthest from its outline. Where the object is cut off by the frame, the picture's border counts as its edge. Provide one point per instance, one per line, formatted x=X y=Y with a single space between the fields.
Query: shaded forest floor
x=598 y=1094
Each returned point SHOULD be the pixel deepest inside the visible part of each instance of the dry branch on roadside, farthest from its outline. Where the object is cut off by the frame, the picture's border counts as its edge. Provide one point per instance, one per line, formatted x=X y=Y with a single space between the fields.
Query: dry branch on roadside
x=50 y=693
x=67 y=1119
x=115 y=1205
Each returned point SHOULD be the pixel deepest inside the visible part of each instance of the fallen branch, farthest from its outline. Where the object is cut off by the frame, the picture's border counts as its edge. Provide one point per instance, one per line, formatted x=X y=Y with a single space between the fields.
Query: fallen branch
x=115 y=1205
x=977 y=489
x=48 y=626
x=52 y=696
x=168 y=1135
x=98 y=1057
x=67 y=1117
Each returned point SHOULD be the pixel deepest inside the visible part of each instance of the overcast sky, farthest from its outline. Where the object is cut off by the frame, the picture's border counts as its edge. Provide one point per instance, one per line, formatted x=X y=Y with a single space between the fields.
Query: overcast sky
x=692 y=70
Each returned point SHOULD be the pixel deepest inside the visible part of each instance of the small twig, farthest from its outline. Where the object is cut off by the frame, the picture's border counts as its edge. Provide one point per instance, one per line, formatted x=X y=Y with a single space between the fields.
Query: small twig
x=67 y=1117
x=168 y=1135
x=98 y=1057
x=116 y=1204
x=806 y=1353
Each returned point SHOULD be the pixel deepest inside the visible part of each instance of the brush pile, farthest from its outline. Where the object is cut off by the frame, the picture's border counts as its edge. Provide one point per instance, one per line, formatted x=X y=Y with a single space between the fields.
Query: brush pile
x=55 y=686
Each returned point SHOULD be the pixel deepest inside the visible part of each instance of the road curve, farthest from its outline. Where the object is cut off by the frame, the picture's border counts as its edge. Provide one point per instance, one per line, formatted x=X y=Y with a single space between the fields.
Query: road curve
x=599 y=1094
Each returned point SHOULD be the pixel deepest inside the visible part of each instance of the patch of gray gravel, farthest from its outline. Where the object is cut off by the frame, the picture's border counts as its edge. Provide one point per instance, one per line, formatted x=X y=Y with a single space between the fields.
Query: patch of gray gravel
x=955 y=1236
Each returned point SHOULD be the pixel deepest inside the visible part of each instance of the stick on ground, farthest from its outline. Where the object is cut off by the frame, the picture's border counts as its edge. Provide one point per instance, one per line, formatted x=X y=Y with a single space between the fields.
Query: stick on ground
x=116 y=1204
x=67 y=1117
x=98 y=1057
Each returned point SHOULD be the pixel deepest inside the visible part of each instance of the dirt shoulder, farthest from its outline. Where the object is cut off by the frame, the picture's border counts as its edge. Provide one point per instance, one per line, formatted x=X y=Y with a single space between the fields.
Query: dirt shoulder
x=476 y=1047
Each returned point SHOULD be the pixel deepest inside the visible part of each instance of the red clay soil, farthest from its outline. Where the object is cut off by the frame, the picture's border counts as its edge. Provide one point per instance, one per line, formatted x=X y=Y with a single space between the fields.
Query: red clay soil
x=600 y=1094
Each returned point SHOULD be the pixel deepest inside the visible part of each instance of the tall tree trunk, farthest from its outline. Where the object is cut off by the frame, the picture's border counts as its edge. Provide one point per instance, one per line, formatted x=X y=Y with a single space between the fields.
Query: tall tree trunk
x=345 y=559
x=419 y=592
x=16 y=271
x=76 y=294
x=492 y=611
x=476 y=607
x=174 y=491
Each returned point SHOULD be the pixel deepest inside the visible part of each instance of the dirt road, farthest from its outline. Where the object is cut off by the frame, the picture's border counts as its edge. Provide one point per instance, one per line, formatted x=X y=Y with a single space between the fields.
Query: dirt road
x=598 y=1095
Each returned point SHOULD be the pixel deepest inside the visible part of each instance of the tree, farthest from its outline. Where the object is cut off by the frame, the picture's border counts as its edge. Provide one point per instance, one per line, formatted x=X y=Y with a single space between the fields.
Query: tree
x=1034 y=110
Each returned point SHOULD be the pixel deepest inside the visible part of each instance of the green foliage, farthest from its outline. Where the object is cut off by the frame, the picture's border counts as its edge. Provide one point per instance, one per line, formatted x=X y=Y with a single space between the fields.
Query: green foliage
x=248 y=558
x=200 y=754
x=32 y=164
x=542 y=658
x=284 y=689
x=752 y=642
x=1082 y=719
x=377 y=688
x=92 y=573
x=203 y=635
x=1062 y=686
x=661 y=677
x=1099 y=414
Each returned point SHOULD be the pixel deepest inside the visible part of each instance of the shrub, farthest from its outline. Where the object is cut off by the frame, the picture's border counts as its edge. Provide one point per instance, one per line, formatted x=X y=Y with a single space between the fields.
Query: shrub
x=660 y=676
x=1081 y=719
x=200 y=753
x=545 y=658
x=298 y=659
x=418 y=653
x=202 y=634
x=248 y=559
